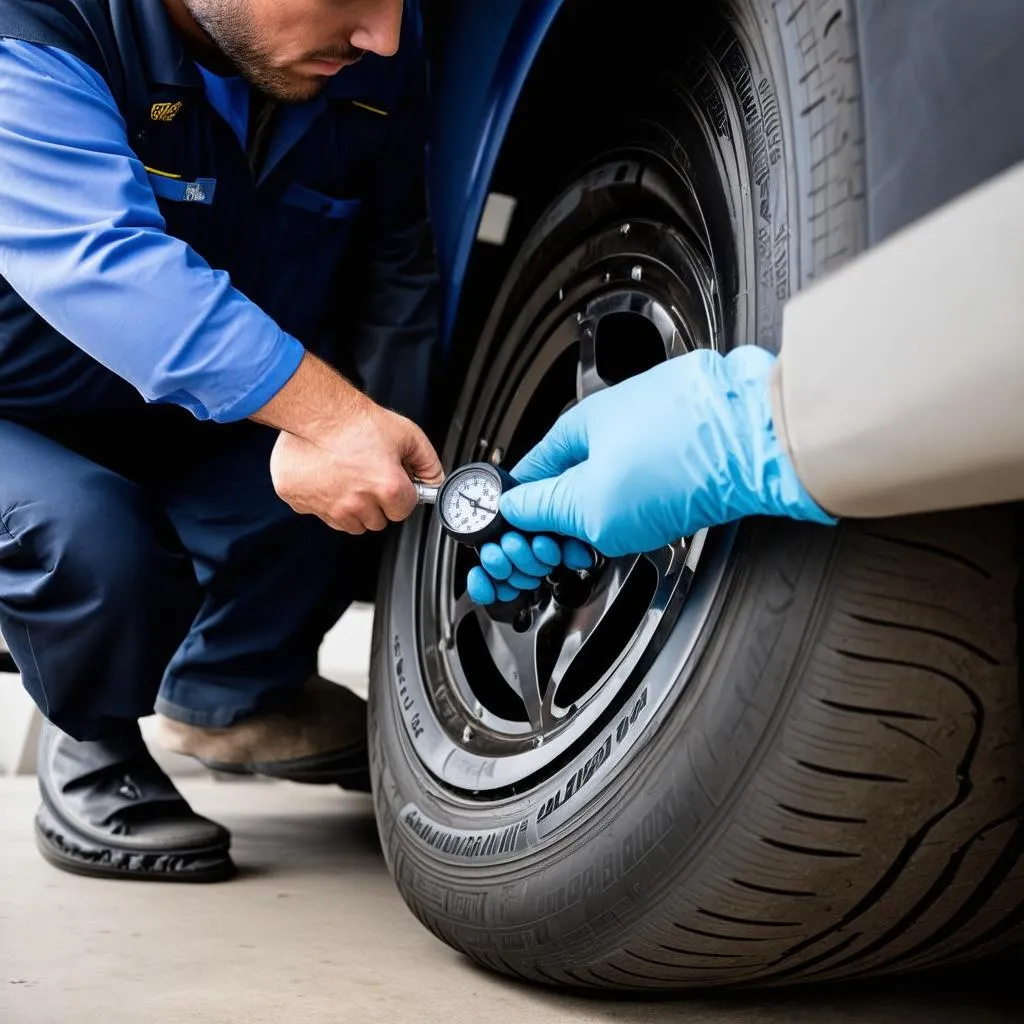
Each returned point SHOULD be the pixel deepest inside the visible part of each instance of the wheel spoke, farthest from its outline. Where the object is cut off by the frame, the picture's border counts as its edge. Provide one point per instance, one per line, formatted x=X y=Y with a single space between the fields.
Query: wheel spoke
x=667 y=559
x=659 y=316
x=515 y=655
x=464 y=606
x=588 y=380
x=671 y=559
x=583 y=623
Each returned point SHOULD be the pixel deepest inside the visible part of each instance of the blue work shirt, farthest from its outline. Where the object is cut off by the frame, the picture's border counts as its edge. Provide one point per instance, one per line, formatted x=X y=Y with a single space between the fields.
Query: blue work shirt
x=199 y=291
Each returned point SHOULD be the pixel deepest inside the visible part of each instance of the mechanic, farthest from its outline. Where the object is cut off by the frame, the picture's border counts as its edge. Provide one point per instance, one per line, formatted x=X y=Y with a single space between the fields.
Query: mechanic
x=217 y=291
x=898 y=389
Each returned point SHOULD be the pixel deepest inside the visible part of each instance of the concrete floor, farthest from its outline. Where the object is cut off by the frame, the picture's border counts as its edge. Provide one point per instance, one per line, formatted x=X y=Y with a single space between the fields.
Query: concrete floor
x=313 y=931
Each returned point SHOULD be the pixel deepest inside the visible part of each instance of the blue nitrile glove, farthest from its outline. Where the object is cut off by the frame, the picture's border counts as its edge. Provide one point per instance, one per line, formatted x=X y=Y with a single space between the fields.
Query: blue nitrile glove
x=518 y=563
x=685 y=445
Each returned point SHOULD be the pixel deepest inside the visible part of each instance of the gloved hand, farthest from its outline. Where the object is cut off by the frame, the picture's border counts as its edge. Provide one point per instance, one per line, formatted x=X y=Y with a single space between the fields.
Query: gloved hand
x=685 y=445
x=517 y=564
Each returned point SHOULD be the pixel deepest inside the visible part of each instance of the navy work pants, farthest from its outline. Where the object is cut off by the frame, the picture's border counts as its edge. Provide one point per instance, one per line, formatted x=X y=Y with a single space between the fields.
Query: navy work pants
x=146 y=562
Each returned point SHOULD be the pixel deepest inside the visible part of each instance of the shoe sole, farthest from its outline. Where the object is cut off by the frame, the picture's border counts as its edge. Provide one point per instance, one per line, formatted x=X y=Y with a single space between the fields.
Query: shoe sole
x=69 y=851
x=319 y=770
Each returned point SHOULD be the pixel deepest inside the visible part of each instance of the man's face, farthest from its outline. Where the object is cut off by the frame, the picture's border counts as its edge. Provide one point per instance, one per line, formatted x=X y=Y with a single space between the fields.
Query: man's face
x=289 y=49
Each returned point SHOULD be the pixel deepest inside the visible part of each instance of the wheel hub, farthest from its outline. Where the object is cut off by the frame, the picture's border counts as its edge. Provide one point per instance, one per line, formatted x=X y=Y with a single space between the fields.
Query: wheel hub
x=513 y=697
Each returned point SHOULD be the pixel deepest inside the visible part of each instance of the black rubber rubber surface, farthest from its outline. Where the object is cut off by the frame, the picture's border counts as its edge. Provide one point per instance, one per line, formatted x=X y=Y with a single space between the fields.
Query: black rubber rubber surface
x=347 y=769
x=65 y=848
x=836 y=790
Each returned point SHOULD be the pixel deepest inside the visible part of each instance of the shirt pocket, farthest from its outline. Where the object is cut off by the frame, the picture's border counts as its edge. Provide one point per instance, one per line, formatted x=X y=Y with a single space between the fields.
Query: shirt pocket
x=301 y=198
x=301 y=259
x=177 y=190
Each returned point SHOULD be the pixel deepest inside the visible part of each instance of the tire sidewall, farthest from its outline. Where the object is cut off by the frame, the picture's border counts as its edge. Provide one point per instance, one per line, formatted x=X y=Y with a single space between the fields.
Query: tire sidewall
x=508 y=889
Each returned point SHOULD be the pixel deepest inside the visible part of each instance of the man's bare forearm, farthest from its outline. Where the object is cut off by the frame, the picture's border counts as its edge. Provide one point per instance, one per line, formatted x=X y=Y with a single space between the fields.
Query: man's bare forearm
x=900 y=384
x=313 y=401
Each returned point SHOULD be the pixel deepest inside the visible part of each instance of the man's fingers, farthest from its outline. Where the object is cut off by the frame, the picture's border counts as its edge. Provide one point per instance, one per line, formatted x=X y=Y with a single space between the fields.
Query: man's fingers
x=397 y=498
x=345 y=524
x=419 y=457
x=373 y=518
x=546 y=506
x=564 y=445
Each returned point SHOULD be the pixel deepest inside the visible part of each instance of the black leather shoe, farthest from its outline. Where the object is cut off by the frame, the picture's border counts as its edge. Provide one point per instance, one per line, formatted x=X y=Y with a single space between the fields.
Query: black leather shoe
x=108 y=810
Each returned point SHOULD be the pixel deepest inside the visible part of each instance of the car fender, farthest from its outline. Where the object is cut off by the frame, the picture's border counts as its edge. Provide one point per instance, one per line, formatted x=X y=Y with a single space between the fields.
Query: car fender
x=480 y=55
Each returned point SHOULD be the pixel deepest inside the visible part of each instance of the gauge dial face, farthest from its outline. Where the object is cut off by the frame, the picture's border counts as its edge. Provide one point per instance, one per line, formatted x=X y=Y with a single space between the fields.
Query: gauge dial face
x=470 y=501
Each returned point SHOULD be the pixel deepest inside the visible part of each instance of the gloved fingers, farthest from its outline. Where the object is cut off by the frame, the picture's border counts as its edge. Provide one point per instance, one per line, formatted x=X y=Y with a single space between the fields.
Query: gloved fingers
x=547 y=550
x=521 y=581
x=496 y=562
x=564 y=445
x=480 y=586
x=576 y=555
x=520 y=552
x=484 y=590
x=547 y=506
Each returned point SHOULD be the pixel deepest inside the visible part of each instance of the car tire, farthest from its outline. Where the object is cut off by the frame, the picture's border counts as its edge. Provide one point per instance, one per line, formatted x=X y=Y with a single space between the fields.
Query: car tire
x=808 y=766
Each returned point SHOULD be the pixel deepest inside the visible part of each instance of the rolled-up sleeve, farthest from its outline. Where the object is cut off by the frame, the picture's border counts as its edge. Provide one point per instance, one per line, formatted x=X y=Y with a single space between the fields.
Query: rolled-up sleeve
x=83 y=242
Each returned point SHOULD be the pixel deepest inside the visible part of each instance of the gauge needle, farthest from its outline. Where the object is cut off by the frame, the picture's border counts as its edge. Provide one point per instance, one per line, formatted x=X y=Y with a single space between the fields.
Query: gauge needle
x=476 y=504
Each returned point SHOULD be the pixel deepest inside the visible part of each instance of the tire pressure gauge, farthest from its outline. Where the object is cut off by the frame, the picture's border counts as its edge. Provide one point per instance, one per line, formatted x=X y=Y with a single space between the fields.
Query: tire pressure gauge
x=467 y=503
x=467 y=507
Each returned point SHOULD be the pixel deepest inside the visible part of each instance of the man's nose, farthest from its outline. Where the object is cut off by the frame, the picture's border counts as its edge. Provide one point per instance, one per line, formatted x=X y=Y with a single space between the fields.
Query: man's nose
x=379 y=27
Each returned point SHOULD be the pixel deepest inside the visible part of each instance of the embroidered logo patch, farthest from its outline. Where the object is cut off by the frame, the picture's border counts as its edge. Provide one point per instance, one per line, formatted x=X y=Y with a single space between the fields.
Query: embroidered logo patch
x=196 y=192
x=165 y=111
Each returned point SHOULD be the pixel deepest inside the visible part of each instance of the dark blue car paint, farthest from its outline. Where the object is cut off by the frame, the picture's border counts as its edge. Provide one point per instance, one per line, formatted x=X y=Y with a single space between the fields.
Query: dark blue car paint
x=478 y=67
x=937 y=82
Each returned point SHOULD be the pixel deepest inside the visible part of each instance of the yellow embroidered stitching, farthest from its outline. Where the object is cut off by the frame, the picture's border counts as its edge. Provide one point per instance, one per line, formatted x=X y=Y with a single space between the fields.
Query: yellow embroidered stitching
x=372 y=110
x=165 y=111
x=162 y=174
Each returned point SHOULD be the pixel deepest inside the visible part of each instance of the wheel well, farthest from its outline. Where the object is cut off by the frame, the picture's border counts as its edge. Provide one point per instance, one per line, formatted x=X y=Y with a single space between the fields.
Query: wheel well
x=588 y=68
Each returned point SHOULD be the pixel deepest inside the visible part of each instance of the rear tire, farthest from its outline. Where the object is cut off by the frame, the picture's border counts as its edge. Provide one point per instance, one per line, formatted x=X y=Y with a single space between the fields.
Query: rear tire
x=829 y=782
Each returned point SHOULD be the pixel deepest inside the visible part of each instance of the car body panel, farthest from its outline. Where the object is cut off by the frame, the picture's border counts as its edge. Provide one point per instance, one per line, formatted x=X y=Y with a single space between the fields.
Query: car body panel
x=939 y=83
x=480 y=56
